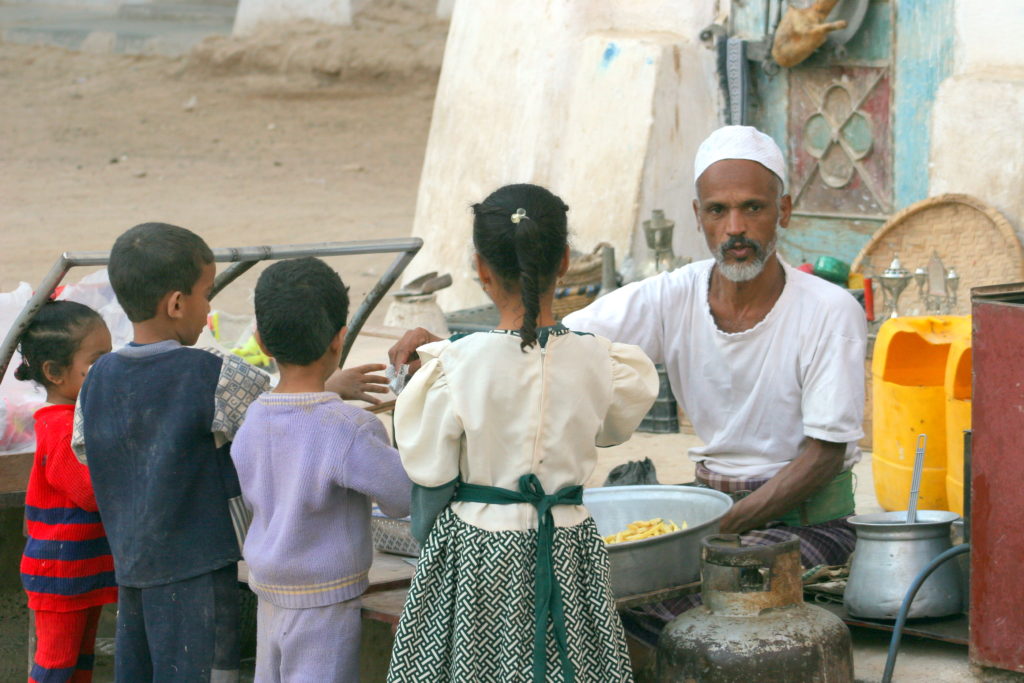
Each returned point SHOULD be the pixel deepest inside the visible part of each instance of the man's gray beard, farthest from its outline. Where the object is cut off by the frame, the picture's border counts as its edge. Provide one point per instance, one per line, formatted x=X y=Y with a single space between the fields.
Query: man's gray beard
x=747 y=270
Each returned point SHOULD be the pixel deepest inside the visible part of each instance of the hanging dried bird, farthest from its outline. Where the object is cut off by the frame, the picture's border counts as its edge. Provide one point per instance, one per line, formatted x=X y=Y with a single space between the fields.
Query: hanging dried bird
x=802 y=31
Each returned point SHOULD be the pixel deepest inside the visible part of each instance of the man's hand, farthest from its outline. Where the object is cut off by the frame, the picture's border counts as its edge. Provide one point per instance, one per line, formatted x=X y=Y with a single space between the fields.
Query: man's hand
x=356 y=384
x=404 y=352
x=816 y=465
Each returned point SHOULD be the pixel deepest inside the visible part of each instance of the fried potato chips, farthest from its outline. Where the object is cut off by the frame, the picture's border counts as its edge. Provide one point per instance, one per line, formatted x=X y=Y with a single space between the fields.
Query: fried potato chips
x=644 y=529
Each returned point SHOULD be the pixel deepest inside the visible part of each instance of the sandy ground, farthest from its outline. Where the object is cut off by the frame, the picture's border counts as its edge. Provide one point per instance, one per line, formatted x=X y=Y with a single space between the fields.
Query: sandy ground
x=242 y=154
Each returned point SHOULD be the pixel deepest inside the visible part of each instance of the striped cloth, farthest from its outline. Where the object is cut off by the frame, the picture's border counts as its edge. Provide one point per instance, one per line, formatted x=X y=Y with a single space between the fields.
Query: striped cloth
x=65 y=646
x=67 y=563
x=726 y=483
x=827 y=543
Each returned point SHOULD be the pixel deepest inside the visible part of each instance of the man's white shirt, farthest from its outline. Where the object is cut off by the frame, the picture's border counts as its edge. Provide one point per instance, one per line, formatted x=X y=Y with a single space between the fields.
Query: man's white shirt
x=752 y=396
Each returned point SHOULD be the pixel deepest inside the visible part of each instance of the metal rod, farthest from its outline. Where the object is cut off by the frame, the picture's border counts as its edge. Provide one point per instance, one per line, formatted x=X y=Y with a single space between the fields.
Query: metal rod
x=243 y=259
x=374 y=297
x=915 y=482
x=230 y=274
x=908 y=599
x=39 y=297
x=268 y=253
x=281 y=251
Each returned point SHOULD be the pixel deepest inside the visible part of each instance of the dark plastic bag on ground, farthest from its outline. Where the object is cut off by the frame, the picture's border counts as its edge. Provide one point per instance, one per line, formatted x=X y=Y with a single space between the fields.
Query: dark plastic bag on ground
x=632 y=473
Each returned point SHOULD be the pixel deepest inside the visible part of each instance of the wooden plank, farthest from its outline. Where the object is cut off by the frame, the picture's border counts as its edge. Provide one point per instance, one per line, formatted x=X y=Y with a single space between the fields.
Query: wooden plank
x=948 y=630
x=385 y=606
x=657 y=596
x=15 y=499
x=387 y=572
x=385 y=407
x=14 y=471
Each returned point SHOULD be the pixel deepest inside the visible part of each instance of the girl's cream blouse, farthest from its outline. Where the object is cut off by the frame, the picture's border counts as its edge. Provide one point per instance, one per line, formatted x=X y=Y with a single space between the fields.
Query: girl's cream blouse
x=482 y=409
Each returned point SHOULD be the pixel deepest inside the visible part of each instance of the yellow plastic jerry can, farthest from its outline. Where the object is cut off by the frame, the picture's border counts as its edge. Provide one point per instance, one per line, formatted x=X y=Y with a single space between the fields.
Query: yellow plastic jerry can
x=908 y=377
x=958 y=418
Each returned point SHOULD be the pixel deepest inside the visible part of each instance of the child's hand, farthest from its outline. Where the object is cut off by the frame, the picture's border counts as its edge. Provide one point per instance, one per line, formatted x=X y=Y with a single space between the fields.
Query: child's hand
x=356 y=384
x=404 y=352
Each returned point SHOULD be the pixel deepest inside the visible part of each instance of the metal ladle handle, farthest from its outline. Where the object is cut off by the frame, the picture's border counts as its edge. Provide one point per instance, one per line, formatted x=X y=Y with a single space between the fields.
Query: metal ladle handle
x=915 y=483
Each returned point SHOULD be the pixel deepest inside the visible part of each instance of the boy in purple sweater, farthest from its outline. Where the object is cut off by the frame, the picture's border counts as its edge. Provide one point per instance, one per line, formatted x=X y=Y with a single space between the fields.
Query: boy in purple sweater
x=309 y=464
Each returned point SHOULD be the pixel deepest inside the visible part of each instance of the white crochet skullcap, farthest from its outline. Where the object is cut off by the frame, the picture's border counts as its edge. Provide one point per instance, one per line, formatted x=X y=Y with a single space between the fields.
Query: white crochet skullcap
x=740 y=142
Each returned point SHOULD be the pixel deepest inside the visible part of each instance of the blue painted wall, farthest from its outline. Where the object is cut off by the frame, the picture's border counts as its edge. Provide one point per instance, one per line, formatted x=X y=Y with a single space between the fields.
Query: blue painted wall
x=924 y=57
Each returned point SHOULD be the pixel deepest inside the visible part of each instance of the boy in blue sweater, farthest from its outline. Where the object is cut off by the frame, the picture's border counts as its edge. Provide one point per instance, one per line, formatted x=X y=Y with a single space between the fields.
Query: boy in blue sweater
x=309 y=465
x=153 y=422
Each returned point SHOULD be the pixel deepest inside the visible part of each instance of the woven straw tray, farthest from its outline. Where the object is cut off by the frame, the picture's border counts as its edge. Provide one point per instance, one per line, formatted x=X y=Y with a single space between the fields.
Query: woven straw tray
x=967 y=234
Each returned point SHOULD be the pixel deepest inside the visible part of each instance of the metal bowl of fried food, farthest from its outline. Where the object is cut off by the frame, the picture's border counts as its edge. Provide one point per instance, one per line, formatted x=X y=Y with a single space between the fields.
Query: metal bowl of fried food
x=665 y=560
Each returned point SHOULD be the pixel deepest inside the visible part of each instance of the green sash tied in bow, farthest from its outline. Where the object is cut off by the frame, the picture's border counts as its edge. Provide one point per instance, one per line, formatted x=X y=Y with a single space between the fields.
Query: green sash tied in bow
x=548 y=598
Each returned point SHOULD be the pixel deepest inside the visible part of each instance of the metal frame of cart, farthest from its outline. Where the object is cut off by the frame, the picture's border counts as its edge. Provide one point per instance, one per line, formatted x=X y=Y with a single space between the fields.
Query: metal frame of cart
x=241 y=260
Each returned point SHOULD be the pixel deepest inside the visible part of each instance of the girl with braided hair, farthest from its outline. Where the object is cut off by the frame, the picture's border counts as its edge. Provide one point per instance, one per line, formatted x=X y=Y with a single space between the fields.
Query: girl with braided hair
x=498 y=431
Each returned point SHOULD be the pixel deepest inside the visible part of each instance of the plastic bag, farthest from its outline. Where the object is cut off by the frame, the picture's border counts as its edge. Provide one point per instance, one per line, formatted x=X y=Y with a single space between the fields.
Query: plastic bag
x=19 y=400
x=94 y=291
x=633 y=473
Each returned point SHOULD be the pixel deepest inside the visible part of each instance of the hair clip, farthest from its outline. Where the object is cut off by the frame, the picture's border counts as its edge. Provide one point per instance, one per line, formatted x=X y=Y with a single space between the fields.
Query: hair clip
x=519 y=215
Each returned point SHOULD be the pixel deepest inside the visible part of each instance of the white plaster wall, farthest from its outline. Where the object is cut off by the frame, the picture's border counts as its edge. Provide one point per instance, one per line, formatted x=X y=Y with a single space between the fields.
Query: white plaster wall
x=526 y=94
x=444 y=9
x=984 y=115
x=254 y=13
x=980 y=108
x=989 y=35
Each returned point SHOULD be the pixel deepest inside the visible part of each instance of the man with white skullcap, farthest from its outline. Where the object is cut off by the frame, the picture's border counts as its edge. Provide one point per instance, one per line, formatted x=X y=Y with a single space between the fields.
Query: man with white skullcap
x=766 y=361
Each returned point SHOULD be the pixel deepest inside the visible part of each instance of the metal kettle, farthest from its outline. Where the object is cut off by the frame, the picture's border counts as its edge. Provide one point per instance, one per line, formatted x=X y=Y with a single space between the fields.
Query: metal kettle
x=890 y=552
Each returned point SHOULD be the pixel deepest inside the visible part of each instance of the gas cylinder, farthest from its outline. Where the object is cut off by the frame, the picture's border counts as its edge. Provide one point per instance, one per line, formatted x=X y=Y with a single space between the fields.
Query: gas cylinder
x=754 y=624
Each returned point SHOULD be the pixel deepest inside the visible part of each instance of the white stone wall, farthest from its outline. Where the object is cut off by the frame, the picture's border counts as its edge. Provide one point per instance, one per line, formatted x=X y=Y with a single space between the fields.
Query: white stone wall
x=989 y=35
x=444 y=9
x=603 y=102
x=977 y=139
x=254 y=13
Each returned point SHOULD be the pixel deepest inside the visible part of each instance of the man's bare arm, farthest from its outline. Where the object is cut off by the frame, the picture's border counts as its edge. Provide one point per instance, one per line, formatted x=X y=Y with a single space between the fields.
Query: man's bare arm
x=404 y=351
x=816 y=465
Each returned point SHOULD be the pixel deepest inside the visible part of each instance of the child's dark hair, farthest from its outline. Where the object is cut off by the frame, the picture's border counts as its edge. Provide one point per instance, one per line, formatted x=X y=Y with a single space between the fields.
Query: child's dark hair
x=152 y=259
x=300 y=306
x=521 y=232
x=53 y=336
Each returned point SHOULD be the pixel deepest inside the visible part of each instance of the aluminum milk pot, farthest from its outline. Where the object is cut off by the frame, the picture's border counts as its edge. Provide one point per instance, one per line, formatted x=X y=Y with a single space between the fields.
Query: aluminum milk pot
x=890 y=553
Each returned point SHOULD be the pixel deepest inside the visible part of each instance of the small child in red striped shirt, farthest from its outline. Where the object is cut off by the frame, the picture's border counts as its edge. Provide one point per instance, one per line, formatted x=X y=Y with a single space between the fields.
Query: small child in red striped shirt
x=67 y=569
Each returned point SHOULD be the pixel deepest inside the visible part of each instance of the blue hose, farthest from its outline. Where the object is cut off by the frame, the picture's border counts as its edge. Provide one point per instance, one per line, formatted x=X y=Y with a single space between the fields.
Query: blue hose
x=901 y=618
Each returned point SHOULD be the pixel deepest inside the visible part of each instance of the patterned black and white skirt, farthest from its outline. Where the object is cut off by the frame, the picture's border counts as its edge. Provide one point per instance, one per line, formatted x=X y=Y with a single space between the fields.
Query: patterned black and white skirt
x=469 y=616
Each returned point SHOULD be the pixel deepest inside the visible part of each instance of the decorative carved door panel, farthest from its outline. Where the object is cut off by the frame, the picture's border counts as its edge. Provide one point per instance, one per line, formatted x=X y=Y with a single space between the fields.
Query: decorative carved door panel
x=840 y=143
